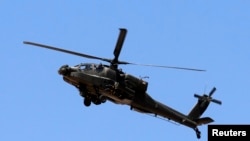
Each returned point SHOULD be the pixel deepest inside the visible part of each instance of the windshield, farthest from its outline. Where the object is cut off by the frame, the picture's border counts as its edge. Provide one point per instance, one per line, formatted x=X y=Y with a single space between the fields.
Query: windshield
x=84 y=66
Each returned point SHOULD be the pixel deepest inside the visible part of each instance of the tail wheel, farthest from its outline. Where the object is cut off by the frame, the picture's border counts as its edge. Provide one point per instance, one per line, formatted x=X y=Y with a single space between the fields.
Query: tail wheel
x=198 y=133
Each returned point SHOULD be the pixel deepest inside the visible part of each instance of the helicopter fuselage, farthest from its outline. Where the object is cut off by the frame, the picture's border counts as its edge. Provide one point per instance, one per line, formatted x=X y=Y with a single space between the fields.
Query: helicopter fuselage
x=98 y=83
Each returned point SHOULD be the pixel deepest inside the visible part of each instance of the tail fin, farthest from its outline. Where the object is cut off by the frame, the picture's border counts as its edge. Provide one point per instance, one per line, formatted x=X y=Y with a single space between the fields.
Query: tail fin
x=201 y=106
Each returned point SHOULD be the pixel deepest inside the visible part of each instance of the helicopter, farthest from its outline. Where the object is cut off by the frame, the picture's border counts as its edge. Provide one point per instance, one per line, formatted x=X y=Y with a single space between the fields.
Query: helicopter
x=98 y=83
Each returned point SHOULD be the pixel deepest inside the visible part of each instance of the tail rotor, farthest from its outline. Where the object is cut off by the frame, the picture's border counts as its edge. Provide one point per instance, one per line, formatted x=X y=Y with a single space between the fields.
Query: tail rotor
x=208 y=97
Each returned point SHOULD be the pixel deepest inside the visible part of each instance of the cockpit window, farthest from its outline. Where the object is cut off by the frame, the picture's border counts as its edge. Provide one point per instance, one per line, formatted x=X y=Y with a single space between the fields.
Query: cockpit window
x=84 y=66
x=99 y=67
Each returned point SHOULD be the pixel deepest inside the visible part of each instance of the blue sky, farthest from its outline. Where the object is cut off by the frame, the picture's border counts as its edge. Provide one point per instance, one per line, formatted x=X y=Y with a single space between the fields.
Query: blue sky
x=36 y=104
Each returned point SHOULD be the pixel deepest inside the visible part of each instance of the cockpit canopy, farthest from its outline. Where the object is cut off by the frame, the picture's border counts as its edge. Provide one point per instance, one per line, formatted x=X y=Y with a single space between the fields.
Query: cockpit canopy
x=90 y=66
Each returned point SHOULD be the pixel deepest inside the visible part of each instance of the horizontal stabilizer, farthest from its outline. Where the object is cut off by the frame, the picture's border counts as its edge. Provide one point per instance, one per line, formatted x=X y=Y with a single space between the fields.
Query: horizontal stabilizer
x=204 y=120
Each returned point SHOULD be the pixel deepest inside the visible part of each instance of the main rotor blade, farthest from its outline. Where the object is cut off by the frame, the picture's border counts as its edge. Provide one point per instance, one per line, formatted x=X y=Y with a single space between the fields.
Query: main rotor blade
x=119 y=44
x=66 y=51
x=116 y=53
x=169 y=67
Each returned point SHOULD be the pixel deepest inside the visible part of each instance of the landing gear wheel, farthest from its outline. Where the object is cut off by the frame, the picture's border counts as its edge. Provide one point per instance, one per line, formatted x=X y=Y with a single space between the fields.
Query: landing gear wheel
x=102 y=98
x=198 y=133
x=96 y=101
x=87 y=102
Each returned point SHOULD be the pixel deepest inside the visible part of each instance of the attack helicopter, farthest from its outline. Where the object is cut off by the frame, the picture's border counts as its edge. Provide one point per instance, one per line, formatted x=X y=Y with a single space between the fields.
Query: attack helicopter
x=98 y=83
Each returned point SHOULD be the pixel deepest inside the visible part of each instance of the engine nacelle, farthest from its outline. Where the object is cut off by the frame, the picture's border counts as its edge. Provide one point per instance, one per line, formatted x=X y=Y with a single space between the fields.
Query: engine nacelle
x=135 y=84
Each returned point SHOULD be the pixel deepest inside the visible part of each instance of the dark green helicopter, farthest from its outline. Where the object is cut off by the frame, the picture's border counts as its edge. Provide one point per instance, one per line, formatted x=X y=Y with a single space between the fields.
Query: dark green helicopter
x=98 y=83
